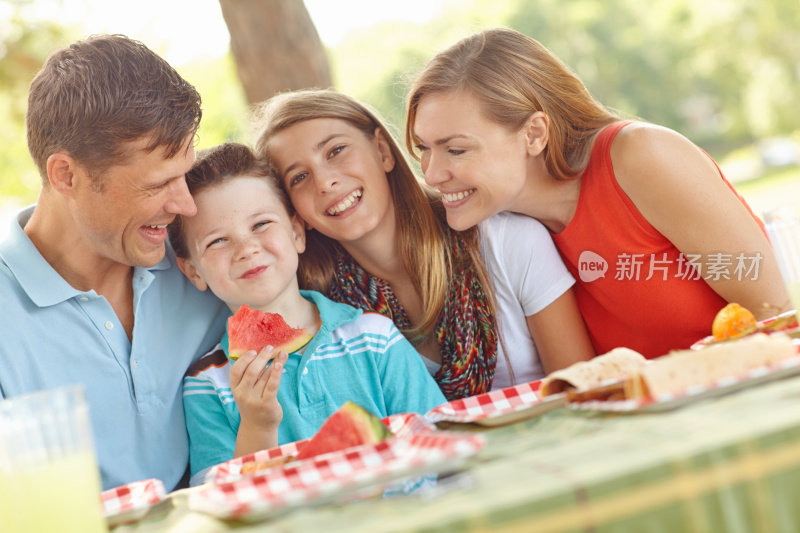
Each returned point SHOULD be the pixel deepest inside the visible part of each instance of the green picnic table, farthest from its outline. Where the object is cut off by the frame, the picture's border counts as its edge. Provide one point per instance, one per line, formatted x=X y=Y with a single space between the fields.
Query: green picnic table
x=730 y=463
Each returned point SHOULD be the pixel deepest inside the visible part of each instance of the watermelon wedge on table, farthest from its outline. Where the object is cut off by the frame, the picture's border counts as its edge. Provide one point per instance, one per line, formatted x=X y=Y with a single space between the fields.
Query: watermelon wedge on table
x=251 y=329
x=350 y=426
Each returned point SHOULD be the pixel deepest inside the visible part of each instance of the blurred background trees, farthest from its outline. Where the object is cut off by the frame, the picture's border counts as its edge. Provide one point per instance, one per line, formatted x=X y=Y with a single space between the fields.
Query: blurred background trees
x=276 y=47
x=722 y=72
x=24 y=45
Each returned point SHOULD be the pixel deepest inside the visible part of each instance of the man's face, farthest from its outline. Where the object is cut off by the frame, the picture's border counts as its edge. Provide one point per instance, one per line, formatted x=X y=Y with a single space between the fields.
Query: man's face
x=123 y=217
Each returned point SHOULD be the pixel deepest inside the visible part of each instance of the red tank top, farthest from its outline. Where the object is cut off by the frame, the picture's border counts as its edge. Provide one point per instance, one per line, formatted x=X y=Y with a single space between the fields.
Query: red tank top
x=649 y=298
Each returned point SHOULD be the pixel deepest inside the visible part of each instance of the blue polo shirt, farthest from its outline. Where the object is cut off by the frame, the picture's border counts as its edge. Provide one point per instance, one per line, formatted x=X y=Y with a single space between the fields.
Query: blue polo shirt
x=355 y=356
x=52 y=334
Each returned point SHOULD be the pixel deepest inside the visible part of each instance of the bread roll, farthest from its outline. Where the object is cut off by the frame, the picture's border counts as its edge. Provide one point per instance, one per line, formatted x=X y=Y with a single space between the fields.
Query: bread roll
x=676 y=372
x=617 y=364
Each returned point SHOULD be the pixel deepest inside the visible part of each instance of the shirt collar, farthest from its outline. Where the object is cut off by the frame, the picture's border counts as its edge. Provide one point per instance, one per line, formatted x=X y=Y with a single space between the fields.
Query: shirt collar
x=40 y=281
x=333 y=314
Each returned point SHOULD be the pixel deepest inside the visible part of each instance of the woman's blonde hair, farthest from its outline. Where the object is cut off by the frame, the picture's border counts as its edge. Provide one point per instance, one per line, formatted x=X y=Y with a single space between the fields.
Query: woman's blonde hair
x=423 y=232
x=513 y=76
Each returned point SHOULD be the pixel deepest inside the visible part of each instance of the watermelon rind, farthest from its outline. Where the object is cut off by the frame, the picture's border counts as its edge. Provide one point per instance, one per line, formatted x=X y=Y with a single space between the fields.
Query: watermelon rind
x=296 y=343
x=351 y=425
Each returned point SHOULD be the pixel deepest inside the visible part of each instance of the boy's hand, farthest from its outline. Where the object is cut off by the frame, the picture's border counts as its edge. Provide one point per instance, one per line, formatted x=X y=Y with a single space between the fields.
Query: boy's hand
x=254 y=383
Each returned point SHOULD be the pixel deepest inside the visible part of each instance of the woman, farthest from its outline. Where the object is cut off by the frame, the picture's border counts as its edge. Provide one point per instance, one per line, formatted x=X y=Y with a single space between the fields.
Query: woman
x=658 y=238
x=379 y=241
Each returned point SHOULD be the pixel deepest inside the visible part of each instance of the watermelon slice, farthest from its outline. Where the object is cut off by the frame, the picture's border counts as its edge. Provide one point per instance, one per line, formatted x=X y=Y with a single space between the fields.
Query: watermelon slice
x=250 y=329
x=350 y=426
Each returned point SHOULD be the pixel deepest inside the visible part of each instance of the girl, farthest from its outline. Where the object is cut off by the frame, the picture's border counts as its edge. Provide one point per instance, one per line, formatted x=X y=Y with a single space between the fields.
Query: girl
x=378 y=240
x=658 y=238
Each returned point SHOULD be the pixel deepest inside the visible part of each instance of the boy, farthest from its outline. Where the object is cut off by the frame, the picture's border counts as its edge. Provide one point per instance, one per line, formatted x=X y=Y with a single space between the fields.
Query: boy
x=243 y=245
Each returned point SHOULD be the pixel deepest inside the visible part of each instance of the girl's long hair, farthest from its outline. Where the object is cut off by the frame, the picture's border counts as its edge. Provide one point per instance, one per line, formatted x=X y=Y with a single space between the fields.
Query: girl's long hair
x=423 y=231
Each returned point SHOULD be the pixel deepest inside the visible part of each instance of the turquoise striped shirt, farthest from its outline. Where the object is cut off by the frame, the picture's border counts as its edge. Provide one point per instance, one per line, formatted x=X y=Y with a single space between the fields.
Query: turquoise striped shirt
x=361 y=357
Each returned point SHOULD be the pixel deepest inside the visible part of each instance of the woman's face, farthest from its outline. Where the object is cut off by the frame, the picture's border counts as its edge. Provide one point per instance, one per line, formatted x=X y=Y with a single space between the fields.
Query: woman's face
x=478 y=165
x=336 y=176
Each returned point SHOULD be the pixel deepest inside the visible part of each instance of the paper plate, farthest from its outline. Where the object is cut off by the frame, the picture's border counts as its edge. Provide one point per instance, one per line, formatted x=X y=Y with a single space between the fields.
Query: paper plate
x=783 y=323
x=132 y=501
x=330 y=477
x=499 y=407
x=757 y=376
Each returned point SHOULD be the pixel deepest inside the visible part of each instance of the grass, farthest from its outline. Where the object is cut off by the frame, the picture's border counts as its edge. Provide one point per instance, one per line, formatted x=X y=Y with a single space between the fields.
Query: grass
x=778 y=187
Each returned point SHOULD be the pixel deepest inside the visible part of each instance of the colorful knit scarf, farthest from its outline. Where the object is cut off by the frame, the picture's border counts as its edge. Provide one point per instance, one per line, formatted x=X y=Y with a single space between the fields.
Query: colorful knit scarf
x=465 y=330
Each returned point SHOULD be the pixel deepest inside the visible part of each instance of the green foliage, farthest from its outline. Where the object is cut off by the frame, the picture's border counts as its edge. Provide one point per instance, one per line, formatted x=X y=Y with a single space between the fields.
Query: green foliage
x=723 y=72
x=24 y=45
x=397 y=50
x=224 y=103
x=24 y=48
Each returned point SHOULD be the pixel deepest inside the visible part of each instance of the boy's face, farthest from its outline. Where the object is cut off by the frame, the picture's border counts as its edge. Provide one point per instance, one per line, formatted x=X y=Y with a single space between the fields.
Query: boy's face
x=243 y=245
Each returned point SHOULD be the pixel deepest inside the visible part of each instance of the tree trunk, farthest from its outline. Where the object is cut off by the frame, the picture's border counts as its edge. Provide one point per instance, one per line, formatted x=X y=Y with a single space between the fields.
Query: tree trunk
x=276 y=47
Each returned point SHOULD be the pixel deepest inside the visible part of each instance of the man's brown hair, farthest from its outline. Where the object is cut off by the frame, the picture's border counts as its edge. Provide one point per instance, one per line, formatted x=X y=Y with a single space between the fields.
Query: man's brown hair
x=95 y=96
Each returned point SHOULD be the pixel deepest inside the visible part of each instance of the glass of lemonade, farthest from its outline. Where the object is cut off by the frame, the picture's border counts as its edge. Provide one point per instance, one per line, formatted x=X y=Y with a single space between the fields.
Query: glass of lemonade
x=49 y=480
x=783 y=229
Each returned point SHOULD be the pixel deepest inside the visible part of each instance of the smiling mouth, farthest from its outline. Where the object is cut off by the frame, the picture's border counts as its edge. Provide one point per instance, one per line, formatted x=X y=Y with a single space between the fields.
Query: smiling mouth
x=452 y=197
x=346 y=203
x=253 y=272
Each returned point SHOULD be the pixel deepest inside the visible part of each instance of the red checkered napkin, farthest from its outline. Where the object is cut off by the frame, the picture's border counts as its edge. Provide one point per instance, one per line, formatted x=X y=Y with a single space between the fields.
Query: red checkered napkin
x=488 y=405
x=294 y=483
x=329 y=476
x=429 y=446
x=406 y=424
x=131 y=501
x=230 y=470
x=400 y=425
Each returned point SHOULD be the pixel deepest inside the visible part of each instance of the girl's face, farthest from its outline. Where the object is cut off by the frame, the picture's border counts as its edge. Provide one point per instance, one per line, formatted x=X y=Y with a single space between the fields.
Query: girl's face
x=243 y=244
x=479 y=166
x=336 y=177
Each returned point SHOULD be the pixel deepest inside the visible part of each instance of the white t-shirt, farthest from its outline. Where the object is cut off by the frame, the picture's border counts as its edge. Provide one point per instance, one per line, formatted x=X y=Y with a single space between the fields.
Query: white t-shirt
x=528 y=275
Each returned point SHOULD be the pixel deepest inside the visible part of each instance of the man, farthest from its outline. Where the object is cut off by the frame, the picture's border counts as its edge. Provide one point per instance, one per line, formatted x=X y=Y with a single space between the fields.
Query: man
x=90 y=292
